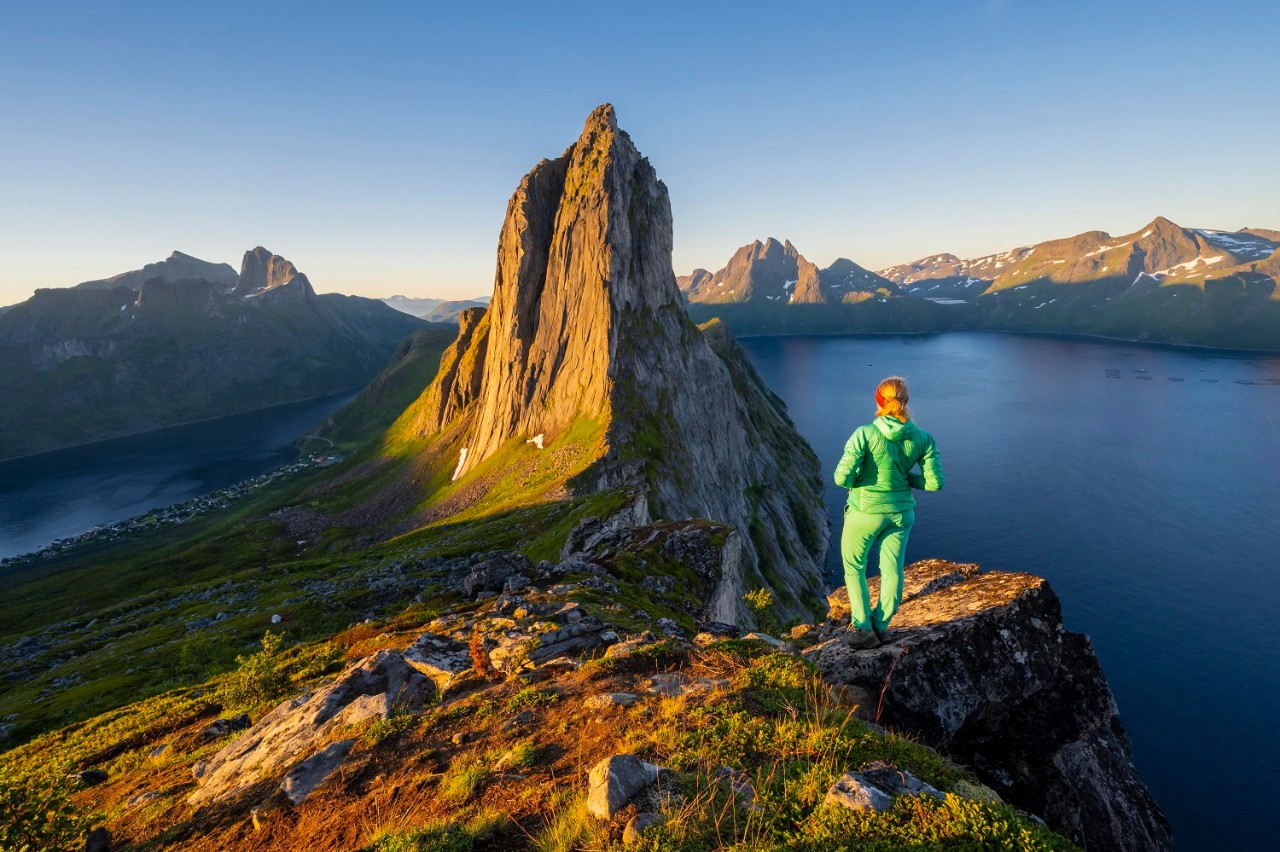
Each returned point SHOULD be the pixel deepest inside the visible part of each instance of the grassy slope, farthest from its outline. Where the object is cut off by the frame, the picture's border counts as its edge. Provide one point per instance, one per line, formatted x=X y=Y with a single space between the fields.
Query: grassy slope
x=412 y=787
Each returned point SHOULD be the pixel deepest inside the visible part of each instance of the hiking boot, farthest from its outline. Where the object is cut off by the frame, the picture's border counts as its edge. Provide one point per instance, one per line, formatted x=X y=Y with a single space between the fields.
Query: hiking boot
x=882 y=633
x=861 y=640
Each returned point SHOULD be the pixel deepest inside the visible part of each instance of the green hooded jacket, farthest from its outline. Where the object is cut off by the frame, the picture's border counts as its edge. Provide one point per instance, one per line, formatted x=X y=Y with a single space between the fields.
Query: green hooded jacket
x=877 y=466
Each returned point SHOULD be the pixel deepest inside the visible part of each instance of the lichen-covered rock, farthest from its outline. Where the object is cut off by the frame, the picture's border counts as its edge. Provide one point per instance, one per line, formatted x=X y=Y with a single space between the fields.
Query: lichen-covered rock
x=305 y=778
x=853 y=791
x=587 y=325
x=375 y=687
x=438 y=657
x=982 y=669
x=492 y=574
x=614 y=781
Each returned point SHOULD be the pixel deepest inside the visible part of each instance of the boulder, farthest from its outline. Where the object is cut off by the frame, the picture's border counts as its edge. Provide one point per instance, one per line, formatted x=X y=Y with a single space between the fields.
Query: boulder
x=303 y=780
x=373 y=688
x=614 y=781
x=98 y=840
x=492 y=574
x=438 y=657
x=610 y=700
x=638 y=825
x=983 y=670
x=854 y=792
x=90 y=777
x=896 y=781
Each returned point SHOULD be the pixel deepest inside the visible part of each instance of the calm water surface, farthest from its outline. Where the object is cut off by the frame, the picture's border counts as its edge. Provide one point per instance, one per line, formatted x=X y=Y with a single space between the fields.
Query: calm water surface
x=1144 y=483
x=57 y=494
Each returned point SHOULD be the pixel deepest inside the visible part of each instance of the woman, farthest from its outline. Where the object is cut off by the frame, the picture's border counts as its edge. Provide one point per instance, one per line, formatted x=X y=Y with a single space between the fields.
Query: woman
x=877 y=469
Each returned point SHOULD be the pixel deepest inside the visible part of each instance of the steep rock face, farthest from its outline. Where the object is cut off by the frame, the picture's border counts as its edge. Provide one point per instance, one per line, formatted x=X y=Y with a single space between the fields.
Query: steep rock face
x=981 y=668
x=694 y=280
x=760 y=271
x=457 y=382
x=587 y=325
x=262 y=270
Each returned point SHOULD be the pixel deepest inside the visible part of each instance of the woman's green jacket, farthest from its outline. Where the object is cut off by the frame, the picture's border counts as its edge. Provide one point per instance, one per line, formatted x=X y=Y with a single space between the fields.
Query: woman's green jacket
x=877 y=466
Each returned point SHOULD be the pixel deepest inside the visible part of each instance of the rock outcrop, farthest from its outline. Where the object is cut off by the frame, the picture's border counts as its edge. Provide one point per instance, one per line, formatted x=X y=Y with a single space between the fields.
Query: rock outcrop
x=980 y=667
x=293 y=740
x=262 y=270
x=587 y=325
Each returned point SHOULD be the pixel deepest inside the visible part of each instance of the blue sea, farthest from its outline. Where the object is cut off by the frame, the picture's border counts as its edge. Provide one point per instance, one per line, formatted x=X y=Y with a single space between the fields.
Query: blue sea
x=66 y=492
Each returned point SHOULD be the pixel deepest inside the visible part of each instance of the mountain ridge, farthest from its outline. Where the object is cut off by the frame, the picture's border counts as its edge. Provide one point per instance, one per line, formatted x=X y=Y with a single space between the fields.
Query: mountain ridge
x=1161 y=283
x=87 y=363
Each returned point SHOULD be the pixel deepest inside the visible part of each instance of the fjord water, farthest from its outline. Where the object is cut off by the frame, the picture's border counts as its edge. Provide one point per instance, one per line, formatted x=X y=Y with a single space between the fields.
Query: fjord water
x=65 y=492
x=1142 y=482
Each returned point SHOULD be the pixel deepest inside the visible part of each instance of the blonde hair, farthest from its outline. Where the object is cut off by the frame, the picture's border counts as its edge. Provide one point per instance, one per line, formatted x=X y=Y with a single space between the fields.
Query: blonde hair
x=894 y=391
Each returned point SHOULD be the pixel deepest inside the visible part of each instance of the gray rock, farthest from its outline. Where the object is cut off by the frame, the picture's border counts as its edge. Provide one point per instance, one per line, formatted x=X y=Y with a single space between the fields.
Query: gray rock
x=739 y=784
x=897 y=782
x=515 y=583
x=90 y=777
x=674 y=684
x=305 y=778
x=983 y=670
x=610 y=700
x=630 y=646
x=438 y=657
x=141 y=798
x=853 y=791
x=373 y=688
x=670 y=627
x=767 y=639
x=518 y=721
x=614 y=781
x=492 y=574
x=98 y=840
x=638 y=825
x=221 y=727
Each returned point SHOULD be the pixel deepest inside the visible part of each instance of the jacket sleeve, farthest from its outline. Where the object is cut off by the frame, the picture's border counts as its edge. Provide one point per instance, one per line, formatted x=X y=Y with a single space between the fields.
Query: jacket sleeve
x=851 y=462
x=931 y=479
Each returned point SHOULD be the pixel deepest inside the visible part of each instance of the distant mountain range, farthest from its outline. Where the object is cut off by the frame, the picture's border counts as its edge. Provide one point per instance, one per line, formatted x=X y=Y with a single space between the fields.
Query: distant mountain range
x=435 y=310
x=1162 y=283
x=776 y=272
x=177 y=341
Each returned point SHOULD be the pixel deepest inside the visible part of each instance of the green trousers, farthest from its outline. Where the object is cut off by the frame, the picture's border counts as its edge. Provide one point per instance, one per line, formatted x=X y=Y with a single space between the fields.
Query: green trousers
x=861 y=531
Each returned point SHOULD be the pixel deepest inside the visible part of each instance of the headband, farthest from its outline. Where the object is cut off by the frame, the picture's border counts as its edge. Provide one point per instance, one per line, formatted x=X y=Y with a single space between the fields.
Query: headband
x=880 y=400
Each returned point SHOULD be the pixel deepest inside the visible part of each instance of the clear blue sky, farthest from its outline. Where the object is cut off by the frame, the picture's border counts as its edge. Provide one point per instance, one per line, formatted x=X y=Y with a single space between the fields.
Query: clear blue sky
x=376 y=144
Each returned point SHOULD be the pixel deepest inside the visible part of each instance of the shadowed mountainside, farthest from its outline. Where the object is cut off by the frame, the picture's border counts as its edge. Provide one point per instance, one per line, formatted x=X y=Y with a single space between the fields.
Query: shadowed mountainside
x=126 y=355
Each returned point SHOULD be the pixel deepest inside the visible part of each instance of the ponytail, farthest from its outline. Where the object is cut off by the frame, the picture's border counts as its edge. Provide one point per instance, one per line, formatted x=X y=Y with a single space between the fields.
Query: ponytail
x=891 y=399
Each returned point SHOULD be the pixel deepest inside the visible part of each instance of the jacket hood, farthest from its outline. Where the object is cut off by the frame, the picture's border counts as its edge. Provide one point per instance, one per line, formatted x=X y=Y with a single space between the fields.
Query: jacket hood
x=894 y=429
